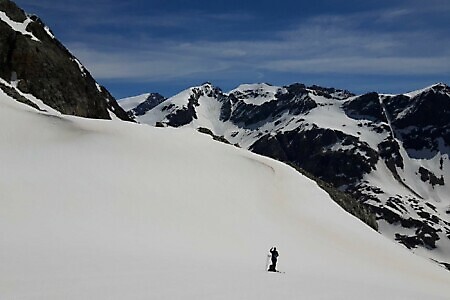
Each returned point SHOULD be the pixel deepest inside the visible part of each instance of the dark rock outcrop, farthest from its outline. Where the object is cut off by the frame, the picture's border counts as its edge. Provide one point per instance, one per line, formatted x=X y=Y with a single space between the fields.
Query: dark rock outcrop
x=187 y=114
x=48 y=71
x=422 y=122
x=153 y=100
x=250 y=116
x=312 y=151
x=366 y=107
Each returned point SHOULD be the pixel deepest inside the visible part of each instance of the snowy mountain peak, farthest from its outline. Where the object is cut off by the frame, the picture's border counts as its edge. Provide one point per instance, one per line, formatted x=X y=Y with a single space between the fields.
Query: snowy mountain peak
x=438 y=88
x=441 y=85
x=247 y=87
x=330 y=93
x=255 y=94
x=205 y=89
x=207 y=84
x=209 y=89
x=441 y=88
x=140 y=105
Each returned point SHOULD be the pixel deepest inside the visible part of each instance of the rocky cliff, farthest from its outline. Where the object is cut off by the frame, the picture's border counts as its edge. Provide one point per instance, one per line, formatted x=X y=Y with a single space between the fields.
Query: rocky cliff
x=36 y=63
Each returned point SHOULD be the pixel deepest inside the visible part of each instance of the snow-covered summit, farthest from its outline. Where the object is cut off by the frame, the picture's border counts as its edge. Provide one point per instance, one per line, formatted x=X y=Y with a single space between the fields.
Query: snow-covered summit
x=141 y=104
x=255 y=87
x=438 y=87
x=132 y=102
x=256 y=94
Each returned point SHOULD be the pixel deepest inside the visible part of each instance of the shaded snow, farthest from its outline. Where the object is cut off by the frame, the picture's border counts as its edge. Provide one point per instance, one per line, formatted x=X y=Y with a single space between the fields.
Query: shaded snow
x=132 y=102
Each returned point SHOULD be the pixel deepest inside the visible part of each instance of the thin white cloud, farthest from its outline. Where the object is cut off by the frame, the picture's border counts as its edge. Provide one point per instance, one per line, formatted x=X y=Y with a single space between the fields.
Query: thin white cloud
x=363 y=65
x=325 y=44
x=78 y=8
x=146 y=65
x=394 y=14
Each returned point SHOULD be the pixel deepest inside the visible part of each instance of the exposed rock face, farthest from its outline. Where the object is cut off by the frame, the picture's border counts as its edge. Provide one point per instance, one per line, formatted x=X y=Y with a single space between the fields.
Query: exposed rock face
x=40 y=65
x=186 y=115
x=312 y=150
x=154 y=99
x=366 y=107
x=389 y=152
x=295 y=102
x=422 y=122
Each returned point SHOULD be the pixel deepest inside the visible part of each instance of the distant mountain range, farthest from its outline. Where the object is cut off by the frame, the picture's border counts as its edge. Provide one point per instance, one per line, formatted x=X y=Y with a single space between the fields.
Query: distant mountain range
x=389 y=152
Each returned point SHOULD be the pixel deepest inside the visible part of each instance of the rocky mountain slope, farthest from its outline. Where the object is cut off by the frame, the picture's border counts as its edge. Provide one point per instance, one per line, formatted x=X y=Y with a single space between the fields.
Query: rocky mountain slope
x=390 y=152
x=34 y=62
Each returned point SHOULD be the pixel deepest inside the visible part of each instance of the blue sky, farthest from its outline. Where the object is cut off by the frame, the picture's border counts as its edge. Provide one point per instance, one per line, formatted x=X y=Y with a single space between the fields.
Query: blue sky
x=133 y=47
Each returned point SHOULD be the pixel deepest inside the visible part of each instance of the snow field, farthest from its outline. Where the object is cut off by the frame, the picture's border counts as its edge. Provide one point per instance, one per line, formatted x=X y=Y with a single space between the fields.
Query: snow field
x=108 y=210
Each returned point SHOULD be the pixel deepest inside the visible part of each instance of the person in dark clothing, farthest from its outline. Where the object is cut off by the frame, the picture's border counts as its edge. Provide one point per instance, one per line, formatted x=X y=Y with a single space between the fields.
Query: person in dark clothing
x=274 y=256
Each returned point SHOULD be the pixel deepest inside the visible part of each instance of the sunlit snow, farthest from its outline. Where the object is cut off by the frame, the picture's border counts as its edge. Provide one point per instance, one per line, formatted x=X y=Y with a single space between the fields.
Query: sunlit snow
x=95 y=209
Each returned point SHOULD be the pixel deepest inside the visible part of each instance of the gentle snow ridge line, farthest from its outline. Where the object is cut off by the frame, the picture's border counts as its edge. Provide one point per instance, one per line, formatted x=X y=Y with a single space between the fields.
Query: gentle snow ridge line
x=413 y=94
x=132 y=102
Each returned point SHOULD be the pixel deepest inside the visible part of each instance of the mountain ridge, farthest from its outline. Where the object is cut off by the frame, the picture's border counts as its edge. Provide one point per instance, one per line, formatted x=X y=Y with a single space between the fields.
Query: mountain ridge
x=388 y=151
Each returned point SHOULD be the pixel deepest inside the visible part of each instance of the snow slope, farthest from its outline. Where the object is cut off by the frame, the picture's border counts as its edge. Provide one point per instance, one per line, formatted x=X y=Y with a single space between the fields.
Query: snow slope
x=132 y=102
x=389 y=151
x=94 y=209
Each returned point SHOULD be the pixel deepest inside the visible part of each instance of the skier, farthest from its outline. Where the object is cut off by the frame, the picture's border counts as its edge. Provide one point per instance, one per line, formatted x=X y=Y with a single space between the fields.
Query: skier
x=273 y=256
